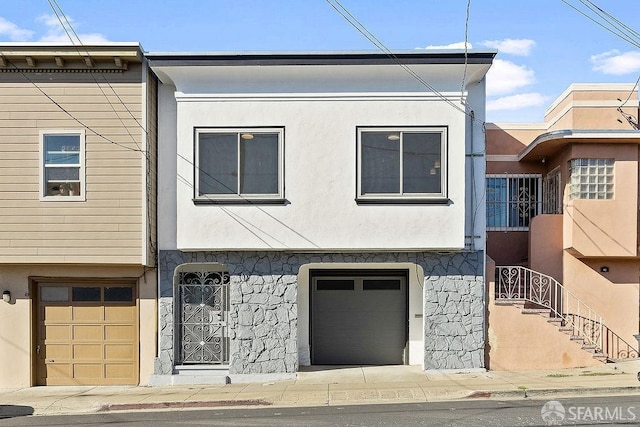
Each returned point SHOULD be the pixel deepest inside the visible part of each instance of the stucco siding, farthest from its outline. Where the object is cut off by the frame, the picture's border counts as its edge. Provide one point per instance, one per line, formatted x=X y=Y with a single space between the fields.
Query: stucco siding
x=320 y=179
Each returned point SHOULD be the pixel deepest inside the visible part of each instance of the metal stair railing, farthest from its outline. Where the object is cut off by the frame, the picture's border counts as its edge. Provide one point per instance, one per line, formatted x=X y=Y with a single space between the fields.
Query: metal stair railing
x=522 y=285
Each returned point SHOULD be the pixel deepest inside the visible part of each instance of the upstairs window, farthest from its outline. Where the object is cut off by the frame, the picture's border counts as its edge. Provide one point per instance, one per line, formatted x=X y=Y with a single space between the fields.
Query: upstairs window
x=591 y=179
x=402 y=164
x=239 y=164
x=62 y=171
x=512 y=200
x=552 y=203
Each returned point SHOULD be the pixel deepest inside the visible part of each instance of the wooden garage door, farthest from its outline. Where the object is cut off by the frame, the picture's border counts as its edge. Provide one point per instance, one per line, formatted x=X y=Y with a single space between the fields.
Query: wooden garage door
x=87 y=334
x=359 y=320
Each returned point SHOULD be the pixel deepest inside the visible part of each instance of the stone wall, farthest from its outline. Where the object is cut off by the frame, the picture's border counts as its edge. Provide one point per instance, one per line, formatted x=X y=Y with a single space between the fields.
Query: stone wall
x=454 y=311
x=263 y=317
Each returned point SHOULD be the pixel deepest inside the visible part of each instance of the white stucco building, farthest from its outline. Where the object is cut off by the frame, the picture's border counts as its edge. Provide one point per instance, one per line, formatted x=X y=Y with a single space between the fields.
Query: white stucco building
x=319 y=208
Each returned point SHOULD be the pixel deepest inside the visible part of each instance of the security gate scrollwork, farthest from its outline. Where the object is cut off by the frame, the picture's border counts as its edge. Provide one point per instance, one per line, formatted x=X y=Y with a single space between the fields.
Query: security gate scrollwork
x=203 y=311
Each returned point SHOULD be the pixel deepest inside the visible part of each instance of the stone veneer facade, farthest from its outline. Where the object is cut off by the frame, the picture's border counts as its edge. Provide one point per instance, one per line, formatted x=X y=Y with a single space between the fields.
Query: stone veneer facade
x=264 y=309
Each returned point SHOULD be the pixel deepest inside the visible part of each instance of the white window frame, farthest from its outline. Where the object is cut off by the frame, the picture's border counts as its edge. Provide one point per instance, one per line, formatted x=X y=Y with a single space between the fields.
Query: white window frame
x=508 y=204
x=80 y=133
x=401 y=196
x=599 y=185
x=239 y=197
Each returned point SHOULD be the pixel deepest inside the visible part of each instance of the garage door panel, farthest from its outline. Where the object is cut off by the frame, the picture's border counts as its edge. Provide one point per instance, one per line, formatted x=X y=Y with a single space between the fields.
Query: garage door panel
x=88 y=314
x=119 y=370
x=58 y=370
x=85 y=371
x=120 y=314
x=56 y=351
x=56 y=314
x=87 y=332
x=55 y=332
x=337 y=301
x=83 y=352
x=119 y=351
x=119 y=332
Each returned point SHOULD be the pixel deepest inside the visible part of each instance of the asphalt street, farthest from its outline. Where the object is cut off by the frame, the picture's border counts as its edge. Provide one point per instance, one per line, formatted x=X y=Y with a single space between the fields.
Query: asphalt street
x=609 y=410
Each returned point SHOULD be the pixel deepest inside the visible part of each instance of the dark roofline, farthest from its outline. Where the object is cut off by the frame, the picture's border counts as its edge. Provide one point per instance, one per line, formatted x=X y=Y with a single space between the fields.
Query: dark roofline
x=320 y=58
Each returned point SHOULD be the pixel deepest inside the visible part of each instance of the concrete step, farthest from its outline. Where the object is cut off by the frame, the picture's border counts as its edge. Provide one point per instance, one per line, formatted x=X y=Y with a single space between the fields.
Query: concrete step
x=541 y=311
x=194 y=374
x=600 y=356
x=201 y=370
x=507 y=301
x=576 y=338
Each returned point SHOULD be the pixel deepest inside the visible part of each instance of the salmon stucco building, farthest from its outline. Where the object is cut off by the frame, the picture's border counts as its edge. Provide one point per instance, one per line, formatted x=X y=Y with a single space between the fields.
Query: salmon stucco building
x=562 y=230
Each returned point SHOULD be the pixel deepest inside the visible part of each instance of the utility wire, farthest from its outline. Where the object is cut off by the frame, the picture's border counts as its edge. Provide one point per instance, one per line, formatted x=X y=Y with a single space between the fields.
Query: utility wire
x=58 y=13
x=466 y=48
x=233 y=190
x=612 y=28
x=611 y=20
x=101 y=74
x=631 y=91
x=180 y=178
x=74 y=118
x=355 y=23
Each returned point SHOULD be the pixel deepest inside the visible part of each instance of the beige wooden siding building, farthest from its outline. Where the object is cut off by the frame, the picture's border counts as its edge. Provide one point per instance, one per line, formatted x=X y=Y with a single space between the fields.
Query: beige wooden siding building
x=77 y=215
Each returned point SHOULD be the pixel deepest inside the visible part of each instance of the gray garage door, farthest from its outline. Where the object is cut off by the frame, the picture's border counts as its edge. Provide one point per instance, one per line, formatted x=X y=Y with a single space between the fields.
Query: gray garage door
x=359 y=320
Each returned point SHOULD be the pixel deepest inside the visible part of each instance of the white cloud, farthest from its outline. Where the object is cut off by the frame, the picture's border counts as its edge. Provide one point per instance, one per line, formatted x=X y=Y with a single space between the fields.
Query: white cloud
x=55 y=32
x=520 y=47
x=616 y=62
x=13 y=32
x=517 y=102
x=457 y=45
x=506 y=77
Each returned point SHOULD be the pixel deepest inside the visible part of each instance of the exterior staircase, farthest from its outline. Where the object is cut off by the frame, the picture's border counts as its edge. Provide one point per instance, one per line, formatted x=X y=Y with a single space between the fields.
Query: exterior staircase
x=537 y=294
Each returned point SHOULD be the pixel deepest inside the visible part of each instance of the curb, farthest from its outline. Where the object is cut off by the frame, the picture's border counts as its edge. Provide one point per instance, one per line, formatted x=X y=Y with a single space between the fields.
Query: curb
x=182 y=405
x=544 y=392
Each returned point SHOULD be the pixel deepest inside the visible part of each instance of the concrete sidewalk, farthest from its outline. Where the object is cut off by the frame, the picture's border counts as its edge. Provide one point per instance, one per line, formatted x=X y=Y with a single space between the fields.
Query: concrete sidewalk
x=322 y=386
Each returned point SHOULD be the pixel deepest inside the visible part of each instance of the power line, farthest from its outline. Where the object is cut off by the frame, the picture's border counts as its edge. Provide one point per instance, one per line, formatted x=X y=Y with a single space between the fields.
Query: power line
x=622 y=24
x=101 y=74
x=241 y=197
x=64 y=27
x=466 y=41
x=149 y=164
x=631 y=91
x=80 y=122
x=355 y=23
x=613 y=28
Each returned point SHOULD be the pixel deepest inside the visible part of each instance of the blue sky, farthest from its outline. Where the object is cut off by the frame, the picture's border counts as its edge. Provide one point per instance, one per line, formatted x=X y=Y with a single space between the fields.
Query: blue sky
x=543 y=45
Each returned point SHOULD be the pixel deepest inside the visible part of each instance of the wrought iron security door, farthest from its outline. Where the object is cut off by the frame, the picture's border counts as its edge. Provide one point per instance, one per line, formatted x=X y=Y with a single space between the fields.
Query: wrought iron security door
x=203 y=315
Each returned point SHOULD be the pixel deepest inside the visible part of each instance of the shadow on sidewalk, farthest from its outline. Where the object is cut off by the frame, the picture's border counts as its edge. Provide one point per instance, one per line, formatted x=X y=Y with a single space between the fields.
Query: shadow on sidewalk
x=12 y=411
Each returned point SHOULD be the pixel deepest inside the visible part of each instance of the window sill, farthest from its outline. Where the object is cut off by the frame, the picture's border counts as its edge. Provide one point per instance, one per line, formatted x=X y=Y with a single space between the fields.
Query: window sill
x=63 y=199
x=403 y=201
x=248 y=201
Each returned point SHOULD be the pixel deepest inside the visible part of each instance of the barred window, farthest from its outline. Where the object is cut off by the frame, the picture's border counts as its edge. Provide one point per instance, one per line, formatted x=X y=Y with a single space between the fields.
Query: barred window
x=512 y=200
x=591 y=179
x=552 y=203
